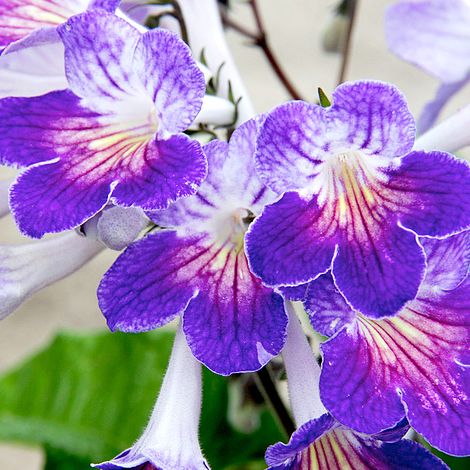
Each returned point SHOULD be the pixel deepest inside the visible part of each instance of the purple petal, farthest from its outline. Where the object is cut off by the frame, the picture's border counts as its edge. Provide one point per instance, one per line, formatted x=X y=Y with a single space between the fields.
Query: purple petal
x=294 y=292
x=371 y=367
x=432 y=193
x=54 y=197
x=448 y=262
x=380 y=269
x=171 y=77
x=160 y=172
x=232 y=322
x=235 y=324
x=321 y=444
x=326 y=307
x=292 y=143
x=148 y=285
x=372 y=117
x=290 y=242
x=433 y=35
x=99 y=49
x=433 y=108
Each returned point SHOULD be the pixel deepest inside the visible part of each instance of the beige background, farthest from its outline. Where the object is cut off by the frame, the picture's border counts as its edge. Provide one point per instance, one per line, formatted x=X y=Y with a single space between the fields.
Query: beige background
x=295 y=33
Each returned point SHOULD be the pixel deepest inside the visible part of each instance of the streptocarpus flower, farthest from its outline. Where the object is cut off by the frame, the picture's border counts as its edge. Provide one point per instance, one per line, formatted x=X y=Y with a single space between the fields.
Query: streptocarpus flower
x=170 y=441
x=356 y=197
x=323 y=444
x=435 y=35
x=115 y=134
x=417 y=362
x=231 y=321
x=320 y=442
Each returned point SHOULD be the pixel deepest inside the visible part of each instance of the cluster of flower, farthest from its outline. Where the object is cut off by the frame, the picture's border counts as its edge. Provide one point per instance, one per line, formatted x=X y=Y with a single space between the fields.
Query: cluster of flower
x=335 y=206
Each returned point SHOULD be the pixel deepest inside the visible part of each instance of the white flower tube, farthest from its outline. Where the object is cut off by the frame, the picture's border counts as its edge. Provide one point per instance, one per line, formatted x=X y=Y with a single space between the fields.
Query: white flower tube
x=25 y=269
x=303 y=372
x=206 y=34
x=450 y=135
x=170 y=441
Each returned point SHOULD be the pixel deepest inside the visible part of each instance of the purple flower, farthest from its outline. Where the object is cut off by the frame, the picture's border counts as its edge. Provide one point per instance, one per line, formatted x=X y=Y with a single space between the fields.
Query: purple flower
x=356 y=197
x=323 y=444
x=170 y=441
x=435 y=35
x=115 y=134
x=231 y=321
x=416 y=363
x=320 y=442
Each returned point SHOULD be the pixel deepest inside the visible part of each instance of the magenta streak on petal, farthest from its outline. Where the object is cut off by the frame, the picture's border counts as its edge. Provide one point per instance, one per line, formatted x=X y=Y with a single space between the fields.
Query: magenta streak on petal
x=19 y=18
x=415 y=356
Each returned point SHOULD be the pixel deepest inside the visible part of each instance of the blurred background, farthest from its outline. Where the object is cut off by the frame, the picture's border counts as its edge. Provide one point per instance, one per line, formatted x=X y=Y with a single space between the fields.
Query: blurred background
x=295 y=30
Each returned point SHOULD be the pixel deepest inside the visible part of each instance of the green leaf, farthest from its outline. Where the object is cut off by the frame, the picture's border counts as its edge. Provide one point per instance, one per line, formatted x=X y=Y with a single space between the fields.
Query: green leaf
x=324 y=100
x=88 y=397
x=58 y=460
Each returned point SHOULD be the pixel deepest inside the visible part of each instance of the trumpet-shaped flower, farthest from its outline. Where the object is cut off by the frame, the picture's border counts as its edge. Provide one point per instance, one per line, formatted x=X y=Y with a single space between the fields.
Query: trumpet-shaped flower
x=115 y=134
x=356 y=197
x=231 y=321
x=416 y=363
x=435 y=35
x=320 y=442
x=170 y=441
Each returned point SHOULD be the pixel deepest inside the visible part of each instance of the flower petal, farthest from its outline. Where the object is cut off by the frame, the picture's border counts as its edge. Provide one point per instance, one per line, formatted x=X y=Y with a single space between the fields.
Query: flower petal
x=321 y=444
x=291 y=144
x=326 y=307
x=232 y=323
x=448 y=263
x=171 y=77
x=53 y=197
x=433 y=35
x=161 y=171
x=290 y=243
x=379 y=271
x=99 y=50
x=433 y=108
x=432 y=190
x=414 y=358
x=370 y=116
x=144 y=289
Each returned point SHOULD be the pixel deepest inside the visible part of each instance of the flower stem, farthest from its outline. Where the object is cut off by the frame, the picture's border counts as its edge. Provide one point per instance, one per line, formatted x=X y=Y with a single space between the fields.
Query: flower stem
x=351 y=13
x=268 y=388
x=260 y=39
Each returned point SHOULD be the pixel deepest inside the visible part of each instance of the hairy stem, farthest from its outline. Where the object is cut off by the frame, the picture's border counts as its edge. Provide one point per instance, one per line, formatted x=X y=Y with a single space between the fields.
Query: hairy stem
x=346 y=53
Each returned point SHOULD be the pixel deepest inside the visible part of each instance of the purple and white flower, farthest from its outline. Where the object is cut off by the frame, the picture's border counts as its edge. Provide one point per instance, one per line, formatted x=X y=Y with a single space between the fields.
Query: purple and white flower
x=170 y=441
x=231 y=321
x=434 y=35
x=116 y=134
x=415 y=363
x=320 y=442
x=356 y=197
